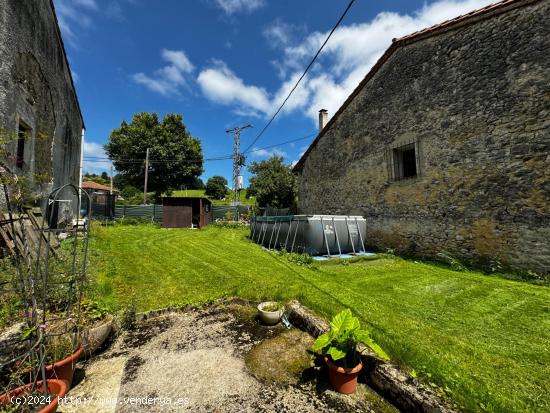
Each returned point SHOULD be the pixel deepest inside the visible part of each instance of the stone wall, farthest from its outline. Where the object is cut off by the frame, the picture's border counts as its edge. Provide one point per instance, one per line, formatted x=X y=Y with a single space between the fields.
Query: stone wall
x=36 y=90
x=476 y=103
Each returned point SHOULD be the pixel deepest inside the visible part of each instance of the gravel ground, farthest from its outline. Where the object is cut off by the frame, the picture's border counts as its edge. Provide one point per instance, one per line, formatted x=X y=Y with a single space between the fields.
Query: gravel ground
x=195 y=361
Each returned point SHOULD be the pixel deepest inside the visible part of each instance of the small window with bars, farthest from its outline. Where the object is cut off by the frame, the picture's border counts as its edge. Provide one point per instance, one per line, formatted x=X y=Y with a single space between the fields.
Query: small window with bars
x=403 y=161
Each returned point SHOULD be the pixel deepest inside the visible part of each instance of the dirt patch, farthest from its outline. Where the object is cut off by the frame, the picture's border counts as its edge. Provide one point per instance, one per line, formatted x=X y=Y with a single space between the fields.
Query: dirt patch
x=195 y=361
x=145 y=331
x=131 y=367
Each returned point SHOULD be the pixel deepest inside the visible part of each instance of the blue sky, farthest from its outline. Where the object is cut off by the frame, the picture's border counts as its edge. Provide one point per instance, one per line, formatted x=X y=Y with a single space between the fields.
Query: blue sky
x=224 y=63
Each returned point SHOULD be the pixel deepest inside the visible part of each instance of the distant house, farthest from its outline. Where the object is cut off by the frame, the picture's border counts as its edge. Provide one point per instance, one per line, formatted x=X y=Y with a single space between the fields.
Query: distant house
x=40 y=119
x=444 y=146
x=102 y=198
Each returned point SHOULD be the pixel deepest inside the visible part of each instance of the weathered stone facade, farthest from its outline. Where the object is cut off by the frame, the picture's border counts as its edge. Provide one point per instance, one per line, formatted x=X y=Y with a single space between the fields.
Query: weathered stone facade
x=473 y=99
x=37 y=95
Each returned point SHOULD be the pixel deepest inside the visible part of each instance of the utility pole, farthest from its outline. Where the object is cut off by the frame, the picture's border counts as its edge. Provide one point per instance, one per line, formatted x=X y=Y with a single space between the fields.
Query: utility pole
x=111 y=191
x=146 y=176
x=238 y=161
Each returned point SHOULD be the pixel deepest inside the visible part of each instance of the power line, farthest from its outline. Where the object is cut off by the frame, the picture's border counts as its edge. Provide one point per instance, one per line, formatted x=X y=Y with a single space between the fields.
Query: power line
x=99 y=159
x=301 y=77
x=285 y=143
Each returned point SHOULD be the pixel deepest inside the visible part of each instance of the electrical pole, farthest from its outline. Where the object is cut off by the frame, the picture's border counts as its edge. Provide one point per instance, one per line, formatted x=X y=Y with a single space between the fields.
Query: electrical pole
x=146 y=176
x=238 y=160
x=111 y=191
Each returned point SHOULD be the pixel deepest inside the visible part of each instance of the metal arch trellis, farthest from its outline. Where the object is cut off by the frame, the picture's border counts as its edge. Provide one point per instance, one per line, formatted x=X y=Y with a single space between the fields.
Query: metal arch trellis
x=36 y=277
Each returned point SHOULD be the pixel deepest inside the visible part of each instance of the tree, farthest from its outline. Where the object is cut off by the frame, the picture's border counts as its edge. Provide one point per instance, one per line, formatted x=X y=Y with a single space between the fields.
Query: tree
x=176 y=156
x=272 y=183
x=197 y=184
x=97 y=178
x=216 y=187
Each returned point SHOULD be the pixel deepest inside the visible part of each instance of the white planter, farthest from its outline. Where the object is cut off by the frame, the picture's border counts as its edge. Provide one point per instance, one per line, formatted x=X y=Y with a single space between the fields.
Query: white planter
x=95 y=336
x=270 y=317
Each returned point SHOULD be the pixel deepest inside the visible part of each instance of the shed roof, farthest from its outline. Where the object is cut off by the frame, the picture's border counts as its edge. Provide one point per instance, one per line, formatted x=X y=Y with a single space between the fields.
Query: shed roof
x=459 y=21
x=95 y=185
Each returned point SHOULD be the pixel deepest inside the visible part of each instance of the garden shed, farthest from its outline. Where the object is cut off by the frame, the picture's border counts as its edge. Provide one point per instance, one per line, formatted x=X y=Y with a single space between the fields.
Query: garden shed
x=182 y=212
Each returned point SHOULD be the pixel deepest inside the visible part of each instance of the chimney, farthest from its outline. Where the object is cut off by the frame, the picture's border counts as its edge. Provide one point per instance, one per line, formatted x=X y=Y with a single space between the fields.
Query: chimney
x=323 y=119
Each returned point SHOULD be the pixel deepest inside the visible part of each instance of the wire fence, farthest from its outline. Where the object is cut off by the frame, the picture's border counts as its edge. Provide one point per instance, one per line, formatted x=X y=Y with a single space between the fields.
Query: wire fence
x=146 y=212
x=154 y=212
x=234 y=213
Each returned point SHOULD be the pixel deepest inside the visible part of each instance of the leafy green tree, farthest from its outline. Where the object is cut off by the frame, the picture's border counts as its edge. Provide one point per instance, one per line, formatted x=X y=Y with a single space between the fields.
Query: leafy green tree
x=216 y=187
x=197 y=184
x=272 y=183
x=120 y=182
x=176 y=156
x=97 y=178
x=130 y=191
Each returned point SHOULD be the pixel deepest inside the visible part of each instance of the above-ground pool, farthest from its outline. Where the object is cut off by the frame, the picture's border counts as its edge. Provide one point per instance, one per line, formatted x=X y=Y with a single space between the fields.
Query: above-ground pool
x=312 y=234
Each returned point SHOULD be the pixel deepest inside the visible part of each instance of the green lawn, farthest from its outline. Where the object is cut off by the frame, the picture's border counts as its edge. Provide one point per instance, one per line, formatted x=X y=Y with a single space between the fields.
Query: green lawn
x=226 y=201
x=483 y=338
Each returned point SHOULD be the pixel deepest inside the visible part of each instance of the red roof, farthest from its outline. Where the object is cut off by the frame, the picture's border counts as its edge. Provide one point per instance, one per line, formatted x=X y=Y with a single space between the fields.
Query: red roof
x=459 y=21
x=95 y=185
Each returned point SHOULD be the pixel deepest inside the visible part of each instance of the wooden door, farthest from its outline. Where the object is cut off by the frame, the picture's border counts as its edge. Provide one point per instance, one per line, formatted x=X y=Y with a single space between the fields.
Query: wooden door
x=177 y=216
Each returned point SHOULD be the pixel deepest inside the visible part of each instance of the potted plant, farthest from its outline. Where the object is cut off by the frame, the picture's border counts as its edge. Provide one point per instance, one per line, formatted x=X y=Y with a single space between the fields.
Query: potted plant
x=56 y=390
x=270 y=312
x=62 y=353
x=339 y=347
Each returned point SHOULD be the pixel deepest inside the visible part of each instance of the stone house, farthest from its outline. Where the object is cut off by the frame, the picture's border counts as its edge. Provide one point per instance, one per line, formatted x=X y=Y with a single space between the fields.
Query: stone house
x=41 y=123
x=444 y=147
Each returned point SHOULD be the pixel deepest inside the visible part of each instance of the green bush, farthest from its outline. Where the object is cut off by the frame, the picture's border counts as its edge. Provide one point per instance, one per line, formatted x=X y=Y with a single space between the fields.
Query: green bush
x=128 y=317
x=304 y=260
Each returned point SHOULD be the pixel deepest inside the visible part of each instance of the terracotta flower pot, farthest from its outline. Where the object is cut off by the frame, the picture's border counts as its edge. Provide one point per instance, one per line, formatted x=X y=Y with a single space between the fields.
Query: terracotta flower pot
x=343 y=380
x=64 y=369
x=56 y=388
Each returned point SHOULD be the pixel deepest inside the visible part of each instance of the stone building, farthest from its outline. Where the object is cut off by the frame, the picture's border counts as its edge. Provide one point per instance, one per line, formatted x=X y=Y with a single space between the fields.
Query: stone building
x=41 y=123
x=445 y=144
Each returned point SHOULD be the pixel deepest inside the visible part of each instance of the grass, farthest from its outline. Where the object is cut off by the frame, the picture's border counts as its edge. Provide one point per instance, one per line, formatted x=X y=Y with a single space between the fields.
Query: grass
x=484 y=339
x=227 y=201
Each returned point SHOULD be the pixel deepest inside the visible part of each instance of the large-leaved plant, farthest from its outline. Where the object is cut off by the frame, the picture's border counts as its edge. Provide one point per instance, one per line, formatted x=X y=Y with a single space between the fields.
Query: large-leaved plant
x=340 y=342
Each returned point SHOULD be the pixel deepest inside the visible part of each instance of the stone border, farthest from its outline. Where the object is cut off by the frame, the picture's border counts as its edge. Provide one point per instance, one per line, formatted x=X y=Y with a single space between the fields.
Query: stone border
x=385 y=378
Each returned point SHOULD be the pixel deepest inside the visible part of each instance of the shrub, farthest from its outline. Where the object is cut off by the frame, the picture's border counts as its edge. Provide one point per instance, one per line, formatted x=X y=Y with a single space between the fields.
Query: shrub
x=454 y=263
x=128 y=318
x=305 y=260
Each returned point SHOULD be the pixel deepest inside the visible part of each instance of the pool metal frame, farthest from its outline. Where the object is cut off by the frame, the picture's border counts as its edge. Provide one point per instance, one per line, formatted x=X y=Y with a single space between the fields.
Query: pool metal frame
x=256 y=235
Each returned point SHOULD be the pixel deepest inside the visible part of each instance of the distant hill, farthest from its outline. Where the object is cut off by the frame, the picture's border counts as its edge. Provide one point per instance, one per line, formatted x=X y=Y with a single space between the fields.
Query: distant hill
x=227 y=201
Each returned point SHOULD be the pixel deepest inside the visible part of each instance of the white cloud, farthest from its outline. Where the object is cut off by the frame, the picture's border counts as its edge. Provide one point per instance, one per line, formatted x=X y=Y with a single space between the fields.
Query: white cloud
x=95 y=150
x=90 y=4
x=267 y=153
x=169 y=79
x=351 y=52
x=235 y=6
x=355 y=48
x=178 y=60
x=74 y=13
x=75 y=76
x=280 y=34
x=74 y=16
x=219 y=84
